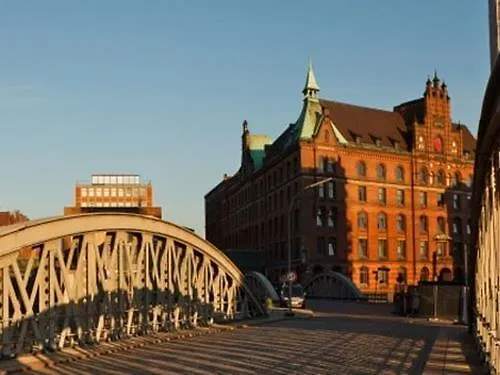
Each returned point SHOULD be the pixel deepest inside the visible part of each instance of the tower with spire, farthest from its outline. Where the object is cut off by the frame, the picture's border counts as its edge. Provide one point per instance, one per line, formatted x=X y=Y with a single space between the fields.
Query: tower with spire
x=311 y=87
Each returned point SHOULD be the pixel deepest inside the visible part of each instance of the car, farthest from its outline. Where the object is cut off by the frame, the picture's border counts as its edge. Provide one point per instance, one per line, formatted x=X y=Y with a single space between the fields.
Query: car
x=298 y=296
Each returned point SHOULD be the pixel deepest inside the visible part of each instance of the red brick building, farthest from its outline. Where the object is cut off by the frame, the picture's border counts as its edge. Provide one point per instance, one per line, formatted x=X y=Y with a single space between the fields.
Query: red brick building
x=11 y=217
x=114 y=193
x=397 y=202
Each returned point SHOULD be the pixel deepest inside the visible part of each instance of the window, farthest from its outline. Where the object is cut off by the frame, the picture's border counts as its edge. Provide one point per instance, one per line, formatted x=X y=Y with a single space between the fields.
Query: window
x=106 y=192
x=382 y=249
x=362 y=220
x=440 y=178
x=423 y=199
x=383 y=276
x=321 y=164
x=401 y=249
x=364 y=275
x=98 y=192
x=378 y=142
x=331 y=218
x=321 y=190
x=456 y=202
x=382 y=221
x=424 y=274
x=457 y=179
x=423 y=224
x=424 y=250
x=83 y=192
x=319 y=217
x=363 y=248
x=320 y=246
x=440 y=249
x=403 y=273
x=440 y=199
x=381 y=195
x=400 y=174
x=400 y=197
x=120 y=192
x=330 y=166
x=441 y=224
x=468 y=228
x=469 y=181
x=457 y=226
x=381 y=172
x=422 y=176
x=91 y=192
x=361 y=168
x=362 y=193
x=332 y=193
x=400 y=223
x=332 y=246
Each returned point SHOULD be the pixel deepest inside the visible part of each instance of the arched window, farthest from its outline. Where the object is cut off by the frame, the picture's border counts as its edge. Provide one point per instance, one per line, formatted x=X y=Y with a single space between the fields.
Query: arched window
x=422 y=176
x=364 y=275
x=457 y=226
x=362 y=220
x=382 y=221
x=440 y=177
x=441 y=224
x=331 y=190
x=381 y=172
x=423 y=224
x=331 y=218
x=403 y=274
x=321 y=190
x=361 y=168
x=400 y=223
x=319 y=217
x=424 y=274
x=400 y=174
x=469 y=181
x=456 y=179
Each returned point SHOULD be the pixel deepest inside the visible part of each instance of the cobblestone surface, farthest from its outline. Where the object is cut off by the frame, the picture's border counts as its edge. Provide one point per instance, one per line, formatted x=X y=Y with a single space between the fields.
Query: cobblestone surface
x=330 y=343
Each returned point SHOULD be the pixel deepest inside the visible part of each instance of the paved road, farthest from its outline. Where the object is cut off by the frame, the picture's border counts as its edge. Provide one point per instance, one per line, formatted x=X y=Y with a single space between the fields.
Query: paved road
x=331 y=343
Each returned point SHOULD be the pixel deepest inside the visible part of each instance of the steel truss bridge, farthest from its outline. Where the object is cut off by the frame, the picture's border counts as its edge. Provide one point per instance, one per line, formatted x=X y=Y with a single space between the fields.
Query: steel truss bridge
x=82 y=279
x=486 y=216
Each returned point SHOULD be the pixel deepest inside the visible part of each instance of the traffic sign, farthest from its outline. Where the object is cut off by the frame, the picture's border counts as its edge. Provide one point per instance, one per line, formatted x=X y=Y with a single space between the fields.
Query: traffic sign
x=291 y=276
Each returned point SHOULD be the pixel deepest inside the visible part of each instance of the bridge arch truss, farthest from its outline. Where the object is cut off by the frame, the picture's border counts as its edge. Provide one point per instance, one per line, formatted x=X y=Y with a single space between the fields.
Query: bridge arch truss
x=332 y=285
x=88 y=278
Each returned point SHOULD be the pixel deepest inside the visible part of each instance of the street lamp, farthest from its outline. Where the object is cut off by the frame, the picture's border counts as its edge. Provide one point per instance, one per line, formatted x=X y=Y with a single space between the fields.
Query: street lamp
x=290 y=207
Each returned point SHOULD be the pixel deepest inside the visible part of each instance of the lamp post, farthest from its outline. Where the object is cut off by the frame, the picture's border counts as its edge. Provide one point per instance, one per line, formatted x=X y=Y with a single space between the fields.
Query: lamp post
x=290 y=207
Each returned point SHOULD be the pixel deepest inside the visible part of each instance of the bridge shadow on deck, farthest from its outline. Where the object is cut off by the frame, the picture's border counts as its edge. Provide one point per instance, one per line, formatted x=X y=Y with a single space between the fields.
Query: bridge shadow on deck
x=327 y=344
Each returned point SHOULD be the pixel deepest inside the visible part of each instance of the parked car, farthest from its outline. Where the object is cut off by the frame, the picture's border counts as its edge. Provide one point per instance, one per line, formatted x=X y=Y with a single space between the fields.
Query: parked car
x=298 y=296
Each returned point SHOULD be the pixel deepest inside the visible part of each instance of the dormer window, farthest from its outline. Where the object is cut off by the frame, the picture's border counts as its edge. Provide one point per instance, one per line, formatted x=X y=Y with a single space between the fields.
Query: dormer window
x=357 y=139
x=378 y=142
x=396 y=145
x=466 y=155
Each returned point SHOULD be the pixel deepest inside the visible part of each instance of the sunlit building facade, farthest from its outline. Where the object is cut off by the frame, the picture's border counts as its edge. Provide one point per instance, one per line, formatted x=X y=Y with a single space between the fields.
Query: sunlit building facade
x=114 y=193
x=396 y=206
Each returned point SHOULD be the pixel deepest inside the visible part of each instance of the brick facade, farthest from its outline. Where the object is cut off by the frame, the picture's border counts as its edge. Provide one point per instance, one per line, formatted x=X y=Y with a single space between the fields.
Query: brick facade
x=397 y=202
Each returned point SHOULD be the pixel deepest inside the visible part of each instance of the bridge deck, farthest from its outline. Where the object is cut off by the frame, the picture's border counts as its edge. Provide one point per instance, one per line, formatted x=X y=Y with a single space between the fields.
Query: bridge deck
x=343 y=338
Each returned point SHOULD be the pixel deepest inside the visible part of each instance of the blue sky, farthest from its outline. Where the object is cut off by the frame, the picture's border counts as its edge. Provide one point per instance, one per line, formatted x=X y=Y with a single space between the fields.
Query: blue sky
x=160 y=88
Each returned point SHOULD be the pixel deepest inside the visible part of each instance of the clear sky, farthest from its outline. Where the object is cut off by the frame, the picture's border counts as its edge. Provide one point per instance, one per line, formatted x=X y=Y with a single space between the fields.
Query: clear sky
x=160 y=88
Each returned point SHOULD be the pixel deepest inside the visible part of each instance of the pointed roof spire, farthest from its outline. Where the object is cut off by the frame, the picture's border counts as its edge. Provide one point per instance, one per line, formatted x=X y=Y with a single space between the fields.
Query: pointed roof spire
x=311 y=87
x=435 y=79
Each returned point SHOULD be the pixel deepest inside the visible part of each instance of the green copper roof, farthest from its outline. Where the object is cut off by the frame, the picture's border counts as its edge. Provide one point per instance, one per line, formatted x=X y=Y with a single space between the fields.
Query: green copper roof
x=256 y=144
x=311 y=83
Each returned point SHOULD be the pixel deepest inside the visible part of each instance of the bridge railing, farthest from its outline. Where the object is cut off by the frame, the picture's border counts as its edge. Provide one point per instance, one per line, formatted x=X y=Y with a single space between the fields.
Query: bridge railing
x=485 y=261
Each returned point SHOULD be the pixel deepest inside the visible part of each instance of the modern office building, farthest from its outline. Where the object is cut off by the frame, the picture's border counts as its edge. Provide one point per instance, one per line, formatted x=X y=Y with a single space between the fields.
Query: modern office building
x=396 y=205
x=114 y=193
